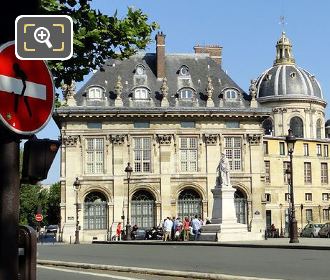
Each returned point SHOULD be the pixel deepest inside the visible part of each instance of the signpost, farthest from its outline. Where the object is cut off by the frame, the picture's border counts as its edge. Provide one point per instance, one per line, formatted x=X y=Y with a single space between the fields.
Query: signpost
x=39 y=217
x=26 y=92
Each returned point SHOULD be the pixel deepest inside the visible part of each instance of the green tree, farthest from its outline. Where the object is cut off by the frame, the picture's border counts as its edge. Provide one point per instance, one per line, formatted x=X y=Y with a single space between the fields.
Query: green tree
x=54 y=200
x=97 y=37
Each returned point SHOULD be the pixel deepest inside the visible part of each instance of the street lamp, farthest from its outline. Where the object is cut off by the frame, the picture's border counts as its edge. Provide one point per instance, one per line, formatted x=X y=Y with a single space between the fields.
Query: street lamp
x=128 y=171
x=320 y=207
x=281 y=233
x=290 y=141
x=301 y=215
x=76 y=187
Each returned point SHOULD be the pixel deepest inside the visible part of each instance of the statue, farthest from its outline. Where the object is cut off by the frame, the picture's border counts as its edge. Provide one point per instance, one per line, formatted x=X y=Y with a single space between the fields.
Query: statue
x=253 y=89
x=223 y=170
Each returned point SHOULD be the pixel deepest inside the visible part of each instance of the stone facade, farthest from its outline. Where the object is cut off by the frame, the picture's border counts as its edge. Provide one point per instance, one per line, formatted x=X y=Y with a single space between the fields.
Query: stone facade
x=171 y=121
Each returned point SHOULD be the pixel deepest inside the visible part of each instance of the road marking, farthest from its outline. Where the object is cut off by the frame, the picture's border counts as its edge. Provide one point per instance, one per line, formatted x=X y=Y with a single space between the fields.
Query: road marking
x=13 y=85
x=90 y=273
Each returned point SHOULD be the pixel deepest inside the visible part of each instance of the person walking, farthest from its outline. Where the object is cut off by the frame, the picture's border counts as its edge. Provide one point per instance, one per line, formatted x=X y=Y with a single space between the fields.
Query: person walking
x=168 y=224
x=186 y=225
x=118 y=231
x=196 y=226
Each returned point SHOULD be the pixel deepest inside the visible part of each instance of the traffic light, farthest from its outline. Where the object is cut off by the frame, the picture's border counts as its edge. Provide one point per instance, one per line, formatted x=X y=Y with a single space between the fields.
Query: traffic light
x=38 y=157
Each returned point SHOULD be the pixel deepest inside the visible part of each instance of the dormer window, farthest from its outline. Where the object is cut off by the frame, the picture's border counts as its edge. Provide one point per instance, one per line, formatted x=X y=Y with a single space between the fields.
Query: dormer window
x=231 y=94
x=186 y=94
x=139 y=70
x=95 y=93
x=141 y=94
x=184 y=71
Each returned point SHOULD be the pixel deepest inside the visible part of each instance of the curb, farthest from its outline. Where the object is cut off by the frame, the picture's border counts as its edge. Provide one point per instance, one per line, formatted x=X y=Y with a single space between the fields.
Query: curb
x=152 y=271
x=200 y=243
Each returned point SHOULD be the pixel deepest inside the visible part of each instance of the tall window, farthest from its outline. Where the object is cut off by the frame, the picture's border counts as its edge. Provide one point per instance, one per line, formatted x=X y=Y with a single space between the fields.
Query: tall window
x=319 y=149
x=318 y=129
x=308 y=196
x=233 y=150
x=306 y=150
x=265 y=147
x=282 y=148
x=188 y=154
x=268 y=126
x=324 y=173
x=325 y=214
x=326 y=150
x=142 y=154
x=143 y=209
x=267 y=171
x=94 y=155
x=189 y=204
x=95 y=211
x=309 y=215
x=297 y=126
x=307 y=172
x=286 y=166
x=325 y=196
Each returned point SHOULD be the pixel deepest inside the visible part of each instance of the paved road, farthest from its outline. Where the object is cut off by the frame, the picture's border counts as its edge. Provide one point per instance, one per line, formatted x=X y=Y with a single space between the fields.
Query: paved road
x=259 y=262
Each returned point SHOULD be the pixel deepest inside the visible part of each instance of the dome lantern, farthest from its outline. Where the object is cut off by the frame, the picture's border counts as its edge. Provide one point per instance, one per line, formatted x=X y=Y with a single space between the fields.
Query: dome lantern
x=284 y=51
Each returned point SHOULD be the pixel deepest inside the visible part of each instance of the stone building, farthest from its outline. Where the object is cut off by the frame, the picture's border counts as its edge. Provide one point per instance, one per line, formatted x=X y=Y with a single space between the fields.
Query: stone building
x=170 y=116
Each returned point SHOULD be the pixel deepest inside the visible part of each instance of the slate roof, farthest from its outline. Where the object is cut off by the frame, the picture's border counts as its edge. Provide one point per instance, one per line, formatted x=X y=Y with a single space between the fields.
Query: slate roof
x=201 y=66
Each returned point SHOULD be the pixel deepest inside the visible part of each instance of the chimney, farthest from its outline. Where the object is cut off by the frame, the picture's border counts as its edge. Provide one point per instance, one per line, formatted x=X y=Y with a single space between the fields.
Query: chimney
x=160 y=52
x=214 y=52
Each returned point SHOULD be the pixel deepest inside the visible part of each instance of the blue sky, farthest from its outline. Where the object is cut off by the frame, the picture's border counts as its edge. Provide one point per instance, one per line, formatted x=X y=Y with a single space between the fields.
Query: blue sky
x=247 y=31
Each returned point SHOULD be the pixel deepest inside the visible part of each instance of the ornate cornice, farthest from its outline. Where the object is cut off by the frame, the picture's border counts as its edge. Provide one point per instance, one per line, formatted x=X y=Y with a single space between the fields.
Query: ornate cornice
x=164 y=139
x=254 y=139
x=118 y=139
x=70 y=140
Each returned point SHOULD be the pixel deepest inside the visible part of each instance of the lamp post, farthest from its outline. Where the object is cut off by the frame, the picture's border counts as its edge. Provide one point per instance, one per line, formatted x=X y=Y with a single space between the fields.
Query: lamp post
x=76 y=187
x=128 y=171
x=281 y=233
x=290 y=141
x=320 y=213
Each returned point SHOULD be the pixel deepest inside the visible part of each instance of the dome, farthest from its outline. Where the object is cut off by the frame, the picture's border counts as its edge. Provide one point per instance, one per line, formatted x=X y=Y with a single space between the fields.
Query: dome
x=285 y=79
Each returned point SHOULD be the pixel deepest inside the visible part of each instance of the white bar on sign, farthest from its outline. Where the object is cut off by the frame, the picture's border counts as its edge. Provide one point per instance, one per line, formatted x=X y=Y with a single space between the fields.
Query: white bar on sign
x=13 y=85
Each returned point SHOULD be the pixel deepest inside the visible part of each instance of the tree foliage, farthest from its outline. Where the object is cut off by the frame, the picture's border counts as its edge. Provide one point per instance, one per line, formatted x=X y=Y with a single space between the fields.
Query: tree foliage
x=34 y=199
x=97 y=37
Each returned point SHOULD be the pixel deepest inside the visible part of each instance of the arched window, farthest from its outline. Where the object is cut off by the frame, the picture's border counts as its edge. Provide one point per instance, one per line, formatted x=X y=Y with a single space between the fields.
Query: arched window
x=189 y=204
x=139 y=70
x=268 y=126
x=231 y=94
x=95 y=211
x=141 y=94
x=95 y=93
x=240 y=206
x=297 y=126
x=143 y=209
x=318 y=129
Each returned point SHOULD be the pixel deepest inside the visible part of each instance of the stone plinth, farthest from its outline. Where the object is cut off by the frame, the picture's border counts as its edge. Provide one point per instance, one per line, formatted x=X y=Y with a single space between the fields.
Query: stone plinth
x=224 y=226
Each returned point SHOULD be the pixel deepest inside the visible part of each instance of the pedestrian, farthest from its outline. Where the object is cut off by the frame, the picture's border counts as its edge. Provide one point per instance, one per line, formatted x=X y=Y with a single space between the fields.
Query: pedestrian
x=186 y=226
x=196 y=227
x=173 y=228
x=118 y=231
x=168 y=224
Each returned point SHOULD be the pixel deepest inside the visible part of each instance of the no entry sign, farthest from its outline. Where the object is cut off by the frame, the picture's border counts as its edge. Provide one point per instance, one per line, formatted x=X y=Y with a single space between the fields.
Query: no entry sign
x=39 y=217
x=26 y=92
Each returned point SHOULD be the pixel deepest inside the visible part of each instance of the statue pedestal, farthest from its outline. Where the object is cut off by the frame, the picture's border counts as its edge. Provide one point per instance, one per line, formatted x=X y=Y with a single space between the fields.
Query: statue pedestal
x=224 y=225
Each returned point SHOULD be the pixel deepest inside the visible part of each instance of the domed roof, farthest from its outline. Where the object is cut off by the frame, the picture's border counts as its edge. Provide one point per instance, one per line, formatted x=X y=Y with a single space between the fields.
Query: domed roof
x=285 y=79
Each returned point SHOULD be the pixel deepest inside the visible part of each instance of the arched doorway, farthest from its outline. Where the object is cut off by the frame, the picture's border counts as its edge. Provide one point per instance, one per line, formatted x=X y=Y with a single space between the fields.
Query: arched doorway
x=95 y=211
x=240 y=206
x=297 y=126
x=143 y=209
x=189 y=204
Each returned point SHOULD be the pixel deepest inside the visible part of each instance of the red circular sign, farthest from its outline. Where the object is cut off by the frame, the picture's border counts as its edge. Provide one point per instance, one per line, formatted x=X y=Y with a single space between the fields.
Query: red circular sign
x=26 y=92
x=39 y=217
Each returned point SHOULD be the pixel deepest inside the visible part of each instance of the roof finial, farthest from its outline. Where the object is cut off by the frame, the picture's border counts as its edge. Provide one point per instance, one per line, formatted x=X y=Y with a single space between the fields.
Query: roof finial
x=282 y=22
x=284 y=51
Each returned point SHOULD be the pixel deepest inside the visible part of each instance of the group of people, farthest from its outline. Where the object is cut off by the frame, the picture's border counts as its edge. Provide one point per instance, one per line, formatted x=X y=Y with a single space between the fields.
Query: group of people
x=175 y=229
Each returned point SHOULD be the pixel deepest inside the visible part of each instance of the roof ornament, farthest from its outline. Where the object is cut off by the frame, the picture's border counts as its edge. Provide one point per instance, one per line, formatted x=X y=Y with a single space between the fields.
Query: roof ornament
x=253 y=93
x=284 y=51
x=209 y=91
x=164 y=91
x=68 y=92
x=118 y=91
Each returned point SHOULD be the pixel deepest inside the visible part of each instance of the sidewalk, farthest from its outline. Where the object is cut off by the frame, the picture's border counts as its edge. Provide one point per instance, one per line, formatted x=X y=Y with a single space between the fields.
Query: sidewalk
x=281 y=243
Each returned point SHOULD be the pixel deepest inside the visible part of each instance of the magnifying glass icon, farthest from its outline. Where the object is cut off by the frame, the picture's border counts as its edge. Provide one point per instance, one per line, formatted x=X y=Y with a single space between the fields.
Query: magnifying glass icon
x=41 y=35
